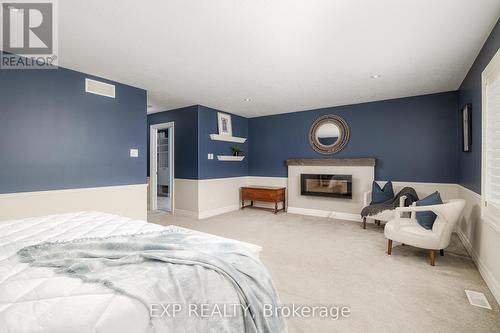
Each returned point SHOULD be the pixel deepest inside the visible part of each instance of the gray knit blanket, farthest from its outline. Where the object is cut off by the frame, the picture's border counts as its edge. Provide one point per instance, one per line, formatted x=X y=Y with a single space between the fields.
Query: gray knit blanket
x=374 y=209
x=179 y=270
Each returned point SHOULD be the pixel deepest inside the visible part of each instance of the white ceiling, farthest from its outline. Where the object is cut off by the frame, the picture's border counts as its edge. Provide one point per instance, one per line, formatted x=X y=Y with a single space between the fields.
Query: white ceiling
x=284 y=55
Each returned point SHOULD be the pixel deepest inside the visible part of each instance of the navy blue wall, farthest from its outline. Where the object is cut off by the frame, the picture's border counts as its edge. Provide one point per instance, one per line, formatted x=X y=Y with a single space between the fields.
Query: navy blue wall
x=185 y=139
x=53 y=135
x=469 y=174
x=193 y=126
x=413 y=139
x=207 y=124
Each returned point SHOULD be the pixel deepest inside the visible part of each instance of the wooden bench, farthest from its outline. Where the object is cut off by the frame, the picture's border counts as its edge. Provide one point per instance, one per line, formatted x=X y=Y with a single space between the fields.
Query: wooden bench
x=263 y=194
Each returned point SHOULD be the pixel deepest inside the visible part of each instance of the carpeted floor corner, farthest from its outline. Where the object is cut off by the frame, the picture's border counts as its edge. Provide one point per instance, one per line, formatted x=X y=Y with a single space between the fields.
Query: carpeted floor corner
x=320 y=261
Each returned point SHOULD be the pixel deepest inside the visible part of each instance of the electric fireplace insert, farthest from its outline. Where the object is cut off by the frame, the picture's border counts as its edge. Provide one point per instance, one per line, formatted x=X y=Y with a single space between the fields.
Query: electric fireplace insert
x=337 y=186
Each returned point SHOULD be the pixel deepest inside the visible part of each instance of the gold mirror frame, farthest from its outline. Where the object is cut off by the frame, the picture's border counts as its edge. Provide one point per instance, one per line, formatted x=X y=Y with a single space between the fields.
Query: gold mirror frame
x=344 y=134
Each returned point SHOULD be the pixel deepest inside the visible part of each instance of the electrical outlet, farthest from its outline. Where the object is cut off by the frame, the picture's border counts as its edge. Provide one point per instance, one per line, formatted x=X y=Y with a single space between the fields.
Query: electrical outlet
x=134 y=152
x=210 y=156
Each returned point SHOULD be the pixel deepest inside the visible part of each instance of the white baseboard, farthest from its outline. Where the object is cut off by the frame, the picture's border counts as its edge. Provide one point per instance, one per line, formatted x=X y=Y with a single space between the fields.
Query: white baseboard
x=187 y=213
x=206 y=213
x=324 y=213
x=218 y=211
x=485 y=233
x=482 y=268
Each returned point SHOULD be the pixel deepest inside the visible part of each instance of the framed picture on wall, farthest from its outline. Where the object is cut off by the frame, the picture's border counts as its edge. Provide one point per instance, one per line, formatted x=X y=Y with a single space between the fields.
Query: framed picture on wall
x=467 y=128
x=224 y=123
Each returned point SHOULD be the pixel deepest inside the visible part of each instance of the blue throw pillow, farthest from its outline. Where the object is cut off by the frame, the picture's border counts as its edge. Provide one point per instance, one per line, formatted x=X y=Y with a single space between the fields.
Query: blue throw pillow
x=426 y=219
x=380 y=195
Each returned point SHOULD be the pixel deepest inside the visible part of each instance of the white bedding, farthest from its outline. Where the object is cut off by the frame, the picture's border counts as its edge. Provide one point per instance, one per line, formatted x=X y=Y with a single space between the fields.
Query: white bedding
x=35 y=299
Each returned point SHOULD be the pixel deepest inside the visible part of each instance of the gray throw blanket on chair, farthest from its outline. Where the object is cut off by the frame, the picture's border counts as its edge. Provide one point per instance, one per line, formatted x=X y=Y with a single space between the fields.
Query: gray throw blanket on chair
x=169 y=268
x=374 y=209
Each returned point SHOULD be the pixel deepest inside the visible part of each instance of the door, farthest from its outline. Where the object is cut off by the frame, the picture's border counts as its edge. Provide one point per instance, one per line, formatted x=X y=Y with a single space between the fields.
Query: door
x=161 y=167
x=163 y=175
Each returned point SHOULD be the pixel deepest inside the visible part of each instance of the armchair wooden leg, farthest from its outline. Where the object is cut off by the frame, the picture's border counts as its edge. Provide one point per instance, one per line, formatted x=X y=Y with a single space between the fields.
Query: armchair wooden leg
x=389 y=246
x=441 y=253
x=364 y=222
x=432 y=255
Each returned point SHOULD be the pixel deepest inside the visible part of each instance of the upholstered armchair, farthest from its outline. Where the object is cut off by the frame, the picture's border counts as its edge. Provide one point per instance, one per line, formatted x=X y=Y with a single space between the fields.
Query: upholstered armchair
x=385 y=215
x=408 y=231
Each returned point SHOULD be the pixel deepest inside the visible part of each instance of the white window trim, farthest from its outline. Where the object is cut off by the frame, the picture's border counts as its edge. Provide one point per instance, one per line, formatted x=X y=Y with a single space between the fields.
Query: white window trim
x=492 y=67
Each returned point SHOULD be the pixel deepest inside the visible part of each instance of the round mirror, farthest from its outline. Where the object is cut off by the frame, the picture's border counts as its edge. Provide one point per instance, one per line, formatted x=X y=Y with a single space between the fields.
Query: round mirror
x=329 y=134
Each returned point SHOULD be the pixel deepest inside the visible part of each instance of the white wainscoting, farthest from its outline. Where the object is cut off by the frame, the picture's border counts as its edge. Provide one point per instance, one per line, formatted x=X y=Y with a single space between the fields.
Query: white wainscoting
x=219 y=196
x=267 y=181
x=481 y=239
x=127 y=200
x=446 y=190
x=210 y=197
x=186 y=197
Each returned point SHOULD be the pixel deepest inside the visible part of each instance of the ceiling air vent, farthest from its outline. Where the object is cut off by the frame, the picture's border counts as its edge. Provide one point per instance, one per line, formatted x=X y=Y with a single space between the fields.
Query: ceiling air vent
x=99 y=88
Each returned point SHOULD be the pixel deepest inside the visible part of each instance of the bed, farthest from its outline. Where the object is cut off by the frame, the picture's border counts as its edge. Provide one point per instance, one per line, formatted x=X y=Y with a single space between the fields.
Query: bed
x=37 y=299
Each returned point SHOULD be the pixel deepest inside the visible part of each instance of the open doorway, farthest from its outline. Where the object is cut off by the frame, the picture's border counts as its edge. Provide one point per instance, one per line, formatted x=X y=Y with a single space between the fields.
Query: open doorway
x=162 y=167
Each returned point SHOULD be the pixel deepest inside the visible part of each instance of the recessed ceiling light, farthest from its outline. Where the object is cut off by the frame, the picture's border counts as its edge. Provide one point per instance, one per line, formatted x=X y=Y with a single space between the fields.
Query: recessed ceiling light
x=376 y=76
x=247 y=99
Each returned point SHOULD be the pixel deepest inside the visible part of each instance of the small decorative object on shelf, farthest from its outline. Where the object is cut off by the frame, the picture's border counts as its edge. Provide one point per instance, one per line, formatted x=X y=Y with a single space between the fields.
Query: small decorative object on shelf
x=237 y=151
x=224 y=122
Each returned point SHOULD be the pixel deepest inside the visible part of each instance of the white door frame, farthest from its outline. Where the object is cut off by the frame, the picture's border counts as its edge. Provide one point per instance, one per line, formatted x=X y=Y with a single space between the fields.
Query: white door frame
x=153 y=164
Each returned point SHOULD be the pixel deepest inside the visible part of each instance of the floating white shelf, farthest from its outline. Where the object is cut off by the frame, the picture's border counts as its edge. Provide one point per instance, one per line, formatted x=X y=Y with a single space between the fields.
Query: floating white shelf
x=230 y=158
x=227 y=138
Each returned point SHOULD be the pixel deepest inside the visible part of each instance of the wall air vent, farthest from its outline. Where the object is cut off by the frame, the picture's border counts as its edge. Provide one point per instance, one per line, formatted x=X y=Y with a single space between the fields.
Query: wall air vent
x=99 y=88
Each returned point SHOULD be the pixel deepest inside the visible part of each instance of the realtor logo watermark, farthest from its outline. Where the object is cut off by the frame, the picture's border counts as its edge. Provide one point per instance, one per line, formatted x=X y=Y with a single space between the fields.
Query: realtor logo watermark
x=207 y=311
x=29 y=35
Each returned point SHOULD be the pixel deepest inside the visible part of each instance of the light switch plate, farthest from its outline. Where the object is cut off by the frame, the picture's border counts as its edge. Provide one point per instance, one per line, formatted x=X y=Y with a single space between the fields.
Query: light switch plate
x=210 y=156
x=134 y=152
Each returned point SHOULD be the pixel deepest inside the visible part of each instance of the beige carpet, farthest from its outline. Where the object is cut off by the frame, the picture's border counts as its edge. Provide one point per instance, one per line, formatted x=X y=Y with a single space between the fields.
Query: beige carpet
x=319 y=261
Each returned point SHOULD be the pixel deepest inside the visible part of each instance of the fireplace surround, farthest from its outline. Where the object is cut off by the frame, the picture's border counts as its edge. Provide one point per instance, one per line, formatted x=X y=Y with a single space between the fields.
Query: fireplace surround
x=361 y=170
